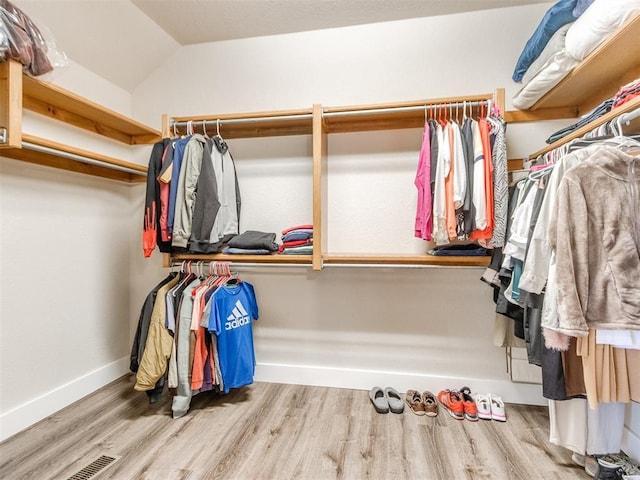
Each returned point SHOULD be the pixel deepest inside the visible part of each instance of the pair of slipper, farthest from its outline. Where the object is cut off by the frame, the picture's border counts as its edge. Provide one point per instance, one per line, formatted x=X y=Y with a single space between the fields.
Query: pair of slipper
x=386 y=400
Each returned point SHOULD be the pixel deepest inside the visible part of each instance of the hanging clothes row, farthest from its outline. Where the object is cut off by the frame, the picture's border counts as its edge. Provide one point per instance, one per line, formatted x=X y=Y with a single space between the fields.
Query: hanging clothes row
x=462 y=178
x=195 y=334
x=193 y=198
x=569 y=276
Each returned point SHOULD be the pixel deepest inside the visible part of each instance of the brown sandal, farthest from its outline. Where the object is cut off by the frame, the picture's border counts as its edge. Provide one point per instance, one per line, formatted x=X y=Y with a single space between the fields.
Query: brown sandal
x=414 y=400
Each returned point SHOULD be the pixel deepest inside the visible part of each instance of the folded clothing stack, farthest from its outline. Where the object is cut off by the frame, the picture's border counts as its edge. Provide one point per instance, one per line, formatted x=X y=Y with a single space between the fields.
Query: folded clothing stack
x=627 y=93
x=594 y=114
x=470 y=250
x=252 y=242
x=297 y=240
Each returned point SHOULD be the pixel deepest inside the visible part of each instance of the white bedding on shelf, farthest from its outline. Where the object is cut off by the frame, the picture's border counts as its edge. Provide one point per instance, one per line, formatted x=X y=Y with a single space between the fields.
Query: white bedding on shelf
x=597 y=23
x=555 y=45
x=572 y=44
x=556 y=68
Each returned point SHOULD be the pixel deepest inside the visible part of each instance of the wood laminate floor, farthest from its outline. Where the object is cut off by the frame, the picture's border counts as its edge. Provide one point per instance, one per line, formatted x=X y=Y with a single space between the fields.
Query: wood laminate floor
x=272 y=431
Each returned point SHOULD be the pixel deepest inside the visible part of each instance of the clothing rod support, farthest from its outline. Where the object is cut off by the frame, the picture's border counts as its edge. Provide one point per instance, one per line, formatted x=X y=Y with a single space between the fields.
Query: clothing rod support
x=626 y=118
x=232 y=121
x=79 y=158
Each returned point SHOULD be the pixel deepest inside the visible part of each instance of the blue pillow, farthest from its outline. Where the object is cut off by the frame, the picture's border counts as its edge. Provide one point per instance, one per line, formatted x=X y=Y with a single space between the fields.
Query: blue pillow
x=558 y=15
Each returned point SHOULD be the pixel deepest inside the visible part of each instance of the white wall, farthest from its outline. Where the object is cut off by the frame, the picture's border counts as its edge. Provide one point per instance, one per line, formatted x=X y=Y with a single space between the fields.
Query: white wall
x=64 y=269
x=426 y=328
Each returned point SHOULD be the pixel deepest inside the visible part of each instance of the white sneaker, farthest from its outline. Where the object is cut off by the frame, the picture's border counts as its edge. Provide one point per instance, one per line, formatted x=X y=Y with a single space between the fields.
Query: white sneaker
x=497 y=408
x=484 y=405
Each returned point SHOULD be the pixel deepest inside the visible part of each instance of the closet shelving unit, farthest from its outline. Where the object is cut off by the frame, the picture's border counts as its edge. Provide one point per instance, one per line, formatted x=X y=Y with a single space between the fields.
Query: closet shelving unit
x=615 y=62
x=320 y=122
x=19 y=91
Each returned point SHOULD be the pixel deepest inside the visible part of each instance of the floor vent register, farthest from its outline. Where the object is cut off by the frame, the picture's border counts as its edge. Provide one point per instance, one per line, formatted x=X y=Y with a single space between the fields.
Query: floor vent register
x=93 y=468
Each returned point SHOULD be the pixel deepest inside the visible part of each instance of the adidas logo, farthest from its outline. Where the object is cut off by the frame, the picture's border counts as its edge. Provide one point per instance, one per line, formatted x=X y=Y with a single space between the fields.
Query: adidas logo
x=238 y=318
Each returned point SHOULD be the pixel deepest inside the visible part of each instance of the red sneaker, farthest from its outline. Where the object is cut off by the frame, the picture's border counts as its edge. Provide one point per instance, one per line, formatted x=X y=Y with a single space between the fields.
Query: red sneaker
x=451 y=401
x=469 y=405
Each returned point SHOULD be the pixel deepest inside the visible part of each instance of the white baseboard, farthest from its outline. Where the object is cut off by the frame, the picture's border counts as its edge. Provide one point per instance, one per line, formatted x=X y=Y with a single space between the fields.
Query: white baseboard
x=522 y=393
x=25 y=415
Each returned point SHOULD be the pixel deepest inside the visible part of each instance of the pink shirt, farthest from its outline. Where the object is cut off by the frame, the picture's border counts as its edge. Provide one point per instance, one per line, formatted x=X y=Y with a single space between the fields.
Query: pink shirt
x=423 y=225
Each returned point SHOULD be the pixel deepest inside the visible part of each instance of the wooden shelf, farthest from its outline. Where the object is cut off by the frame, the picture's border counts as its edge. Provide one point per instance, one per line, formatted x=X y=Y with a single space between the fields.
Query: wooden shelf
x=627 y=107
x=60 y=104
x=612 y=64
x=249 y=125
x=401 y=259
x=387 y=116
x=266 y=259
x=56 y=155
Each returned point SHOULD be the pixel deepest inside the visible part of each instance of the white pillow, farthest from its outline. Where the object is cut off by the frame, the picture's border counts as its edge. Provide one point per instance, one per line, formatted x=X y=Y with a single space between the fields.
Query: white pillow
x=555 y=45
x=556 y=68
x=600 y=20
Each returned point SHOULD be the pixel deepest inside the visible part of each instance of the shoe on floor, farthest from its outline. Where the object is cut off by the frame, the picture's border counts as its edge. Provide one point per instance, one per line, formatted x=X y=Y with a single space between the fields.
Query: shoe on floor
x=430 y=404
x=414 y=400
x=379 y=400
x=590 y=465
x=578 y=459
x=469 y=405
x=394 y=400
x=608 y=470
x=497 y=409
x=630 y=466
x=452 y=403
x=483 y=404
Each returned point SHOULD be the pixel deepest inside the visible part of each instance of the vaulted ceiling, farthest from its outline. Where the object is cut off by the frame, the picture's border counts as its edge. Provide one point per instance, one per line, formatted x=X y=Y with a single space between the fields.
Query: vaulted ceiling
x=125 y=40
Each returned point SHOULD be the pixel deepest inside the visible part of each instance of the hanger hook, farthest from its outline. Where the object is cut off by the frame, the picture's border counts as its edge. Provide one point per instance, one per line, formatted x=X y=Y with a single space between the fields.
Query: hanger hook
x=204 y=128
x=218 y=126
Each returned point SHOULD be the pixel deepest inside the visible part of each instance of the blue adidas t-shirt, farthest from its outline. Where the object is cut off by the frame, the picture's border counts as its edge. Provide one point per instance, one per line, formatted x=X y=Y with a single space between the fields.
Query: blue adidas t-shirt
x=233 y=311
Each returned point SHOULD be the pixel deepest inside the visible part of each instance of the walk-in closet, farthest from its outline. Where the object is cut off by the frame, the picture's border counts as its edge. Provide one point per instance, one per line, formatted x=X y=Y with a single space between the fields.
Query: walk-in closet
x=319 y=239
